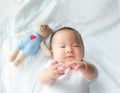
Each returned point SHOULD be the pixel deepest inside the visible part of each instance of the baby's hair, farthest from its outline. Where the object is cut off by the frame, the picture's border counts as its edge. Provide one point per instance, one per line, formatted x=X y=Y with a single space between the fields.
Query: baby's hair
x=69 y=28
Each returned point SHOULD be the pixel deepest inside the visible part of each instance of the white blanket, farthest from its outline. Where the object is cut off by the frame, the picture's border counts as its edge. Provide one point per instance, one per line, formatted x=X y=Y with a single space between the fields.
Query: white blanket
x=97 y=20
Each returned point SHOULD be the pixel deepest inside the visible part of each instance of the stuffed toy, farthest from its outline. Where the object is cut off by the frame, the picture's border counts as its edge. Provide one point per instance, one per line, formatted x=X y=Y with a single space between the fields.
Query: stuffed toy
x=29 y=43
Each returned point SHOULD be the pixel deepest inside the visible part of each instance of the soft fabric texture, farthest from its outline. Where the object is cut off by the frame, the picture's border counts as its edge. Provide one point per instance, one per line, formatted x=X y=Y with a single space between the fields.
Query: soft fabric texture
x=98 y=21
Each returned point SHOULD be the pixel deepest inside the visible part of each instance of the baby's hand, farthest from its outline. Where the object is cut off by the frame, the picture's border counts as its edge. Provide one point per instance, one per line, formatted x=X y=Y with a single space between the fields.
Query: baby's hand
x=55 y=70
x=76 y=65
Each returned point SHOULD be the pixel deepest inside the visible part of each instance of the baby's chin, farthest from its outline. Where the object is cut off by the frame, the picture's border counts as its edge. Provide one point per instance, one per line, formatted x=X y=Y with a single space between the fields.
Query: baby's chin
x=68 y=60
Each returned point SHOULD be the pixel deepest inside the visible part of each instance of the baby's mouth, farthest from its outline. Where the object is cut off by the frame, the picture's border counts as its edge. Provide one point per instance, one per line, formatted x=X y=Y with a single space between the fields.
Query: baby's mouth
x=70 y=57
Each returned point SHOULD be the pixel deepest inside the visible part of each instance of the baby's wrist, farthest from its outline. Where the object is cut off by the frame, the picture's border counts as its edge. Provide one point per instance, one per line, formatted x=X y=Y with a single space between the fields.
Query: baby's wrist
x=51 y=78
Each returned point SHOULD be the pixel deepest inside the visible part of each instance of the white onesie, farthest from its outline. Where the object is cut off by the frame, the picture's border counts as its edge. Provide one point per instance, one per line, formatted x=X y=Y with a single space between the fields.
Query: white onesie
x=70 y=82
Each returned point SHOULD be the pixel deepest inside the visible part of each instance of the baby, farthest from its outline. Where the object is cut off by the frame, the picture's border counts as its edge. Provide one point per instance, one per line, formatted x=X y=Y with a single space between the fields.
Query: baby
x=67 y=72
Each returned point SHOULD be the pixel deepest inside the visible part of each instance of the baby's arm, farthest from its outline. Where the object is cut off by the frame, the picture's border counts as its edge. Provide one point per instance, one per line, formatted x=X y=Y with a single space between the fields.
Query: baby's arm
x=48 y=75
x=44 y=77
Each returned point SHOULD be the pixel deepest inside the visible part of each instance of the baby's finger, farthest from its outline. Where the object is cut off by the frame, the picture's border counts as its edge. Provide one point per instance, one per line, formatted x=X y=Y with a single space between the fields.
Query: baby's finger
x=58 y=66
x=58 y=73
x=54 y=63
x=71 y=65
x=82 y=66
x=77 y=66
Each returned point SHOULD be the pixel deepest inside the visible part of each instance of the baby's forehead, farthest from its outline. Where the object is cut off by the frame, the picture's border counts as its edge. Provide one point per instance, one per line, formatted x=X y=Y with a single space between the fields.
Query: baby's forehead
x=66 y=31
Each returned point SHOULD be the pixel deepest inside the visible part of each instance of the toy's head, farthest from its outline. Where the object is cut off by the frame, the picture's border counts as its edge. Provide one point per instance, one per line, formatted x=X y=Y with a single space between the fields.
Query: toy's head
x=43 y=29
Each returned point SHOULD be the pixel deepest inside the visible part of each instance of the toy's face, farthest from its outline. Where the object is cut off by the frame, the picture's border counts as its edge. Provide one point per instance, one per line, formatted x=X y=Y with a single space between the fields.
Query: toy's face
x=44 y=30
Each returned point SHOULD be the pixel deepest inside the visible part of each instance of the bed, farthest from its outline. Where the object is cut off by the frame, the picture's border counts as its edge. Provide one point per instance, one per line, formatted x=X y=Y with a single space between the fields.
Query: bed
x=98 y=21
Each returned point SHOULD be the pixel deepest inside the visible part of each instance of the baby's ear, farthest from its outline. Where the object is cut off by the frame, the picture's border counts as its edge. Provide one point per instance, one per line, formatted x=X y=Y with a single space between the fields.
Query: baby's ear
x=51 y=53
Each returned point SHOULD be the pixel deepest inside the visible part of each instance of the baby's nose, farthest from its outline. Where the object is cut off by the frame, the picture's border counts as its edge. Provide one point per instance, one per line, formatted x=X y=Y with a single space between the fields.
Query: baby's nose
x=69 y=50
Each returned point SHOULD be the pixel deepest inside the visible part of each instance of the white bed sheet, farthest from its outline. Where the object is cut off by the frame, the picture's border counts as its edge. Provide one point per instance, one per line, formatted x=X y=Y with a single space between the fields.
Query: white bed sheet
x=97 y=20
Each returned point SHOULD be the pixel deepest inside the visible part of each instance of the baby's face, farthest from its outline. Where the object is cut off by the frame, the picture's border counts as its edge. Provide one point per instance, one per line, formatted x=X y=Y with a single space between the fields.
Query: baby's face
x=66 y=46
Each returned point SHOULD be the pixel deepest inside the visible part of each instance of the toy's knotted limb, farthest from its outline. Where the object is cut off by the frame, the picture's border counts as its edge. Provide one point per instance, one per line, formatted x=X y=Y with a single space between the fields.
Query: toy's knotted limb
x=45 y=48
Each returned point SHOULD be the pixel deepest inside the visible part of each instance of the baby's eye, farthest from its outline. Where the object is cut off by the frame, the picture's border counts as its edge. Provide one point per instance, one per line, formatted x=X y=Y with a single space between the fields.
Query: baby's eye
x=76 y=45
x=62 y=46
